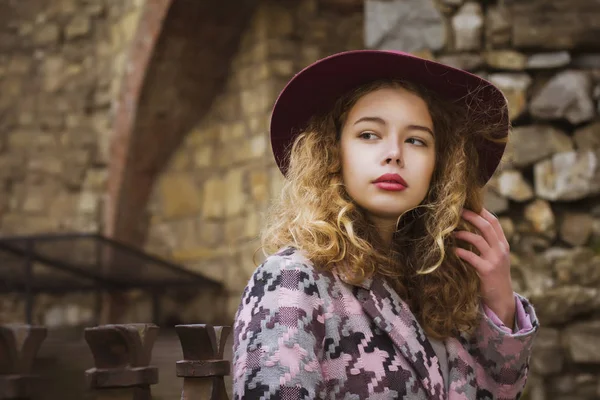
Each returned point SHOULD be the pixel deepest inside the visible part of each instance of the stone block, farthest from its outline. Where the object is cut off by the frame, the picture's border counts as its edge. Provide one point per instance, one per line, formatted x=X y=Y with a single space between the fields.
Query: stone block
x=559 y=25
x=406 y=25
x=235 y=198
x=79 y=26
x=576 y=228
x=514 y=86
x=210 y=233
x=567 y=176
x=276 y=182
x=214 y=194
x=203 y=156
x=556 y=59
x=50 y=164
x=234 y=229
x=253 y=225
x=498 y=27
x=259 y=186
x=198 y=253
x=582 y=342
x=282 y=68
x=506 y=60
x=19 y=65
x=531 y=143
x=540 y=216
x=547 y=358
x=46 y=35
x=281 y=20
x=467 y=24
x=588 y=137
x=512 y=185
x=259 y=145
x=464 y=61
x=565 y=303
x=567 y=95
x=180 y=195
x=89 y=203
x=495 y=203
x=181 y=161
x=96 y=179
x=232 y=132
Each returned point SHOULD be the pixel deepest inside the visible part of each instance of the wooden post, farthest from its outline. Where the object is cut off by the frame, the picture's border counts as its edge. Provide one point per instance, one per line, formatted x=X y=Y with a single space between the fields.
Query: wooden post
x=203 y=367
x=19 y=345
x=122 y=356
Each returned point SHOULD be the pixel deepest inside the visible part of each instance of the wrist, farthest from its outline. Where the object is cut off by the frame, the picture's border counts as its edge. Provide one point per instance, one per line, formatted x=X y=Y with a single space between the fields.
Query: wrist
x=505 y=309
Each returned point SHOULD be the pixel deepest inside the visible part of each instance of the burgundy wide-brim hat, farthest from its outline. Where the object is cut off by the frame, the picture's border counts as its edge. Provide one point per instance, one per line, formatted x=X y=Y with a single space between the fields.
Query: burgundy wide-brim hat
x=316 y=88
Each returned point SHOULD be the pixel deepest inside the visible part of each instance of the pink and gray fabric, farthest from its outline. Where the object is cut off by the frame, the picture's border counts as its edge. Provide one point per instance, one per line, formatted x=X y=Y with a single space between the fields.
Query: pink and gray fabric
x=304 y=334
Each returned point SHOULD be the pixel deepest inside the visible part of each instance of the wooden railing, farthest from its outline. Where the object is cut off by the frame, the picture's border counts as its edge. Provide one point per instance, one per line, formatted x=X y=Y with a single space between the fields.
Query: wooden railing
x=122 y=355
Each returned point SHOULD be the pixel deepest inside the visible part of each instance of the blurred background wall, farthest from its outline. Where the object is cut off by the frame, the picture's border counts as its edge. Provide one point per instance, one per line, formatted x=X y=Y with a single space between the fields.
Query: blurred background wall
x=147 y=121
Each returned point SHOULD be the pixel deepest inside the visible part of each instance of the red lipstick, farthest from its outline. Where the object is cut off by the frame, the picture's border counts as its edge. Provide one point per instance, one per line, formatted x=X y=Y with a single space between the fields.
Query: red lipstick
x=391 y=182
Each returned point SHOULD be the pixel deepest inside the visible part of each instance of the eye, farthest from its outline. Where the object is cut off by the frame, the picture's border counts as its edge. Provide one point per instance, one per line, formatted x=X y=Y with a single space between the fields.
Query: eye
x=367 y=135
x=417 y=141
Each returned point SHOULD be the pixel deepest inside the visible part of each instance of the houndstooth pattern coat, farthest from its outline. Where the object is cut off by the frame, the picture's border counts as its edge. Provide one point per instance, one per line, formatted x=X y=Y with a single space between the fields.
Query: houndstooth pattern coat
x=304 y=334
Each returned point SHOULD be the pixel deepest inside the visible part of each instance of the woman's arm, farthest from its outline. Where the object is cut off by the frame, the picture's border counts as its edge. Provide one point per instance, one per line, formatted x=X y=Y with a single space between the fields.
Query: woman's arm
x=278 y=334
x=502 y=354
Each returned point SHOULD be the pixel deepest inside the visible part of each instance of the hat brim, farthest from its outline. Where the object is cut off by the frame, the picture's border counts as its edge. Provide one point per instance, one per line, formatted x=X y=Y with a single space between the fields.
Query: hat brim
x=317 y=87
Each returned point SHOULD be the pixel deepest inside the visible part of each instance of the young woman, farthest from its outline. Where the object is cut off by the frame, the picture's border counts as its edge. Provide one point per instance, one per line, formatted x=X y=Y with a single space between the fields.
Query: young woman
x=385 y=276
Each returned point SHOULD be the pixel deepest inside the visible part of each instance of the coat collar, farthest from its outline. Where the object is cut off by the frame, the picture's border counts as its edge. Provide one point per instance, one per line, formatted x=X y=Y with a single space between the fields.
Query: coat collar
x=393 y=316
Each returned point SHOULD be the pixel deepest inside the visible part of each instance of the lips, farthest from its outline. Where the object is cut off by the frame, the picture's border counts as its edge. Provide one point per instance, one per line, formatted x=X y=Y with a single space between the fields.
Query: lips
x=391 y=178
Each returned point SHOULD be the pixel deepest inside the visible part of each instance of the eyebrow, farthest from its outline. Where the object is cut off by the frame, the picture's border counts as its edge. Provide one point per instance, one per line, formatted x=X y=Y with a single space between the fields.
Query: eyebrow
x=381 y=121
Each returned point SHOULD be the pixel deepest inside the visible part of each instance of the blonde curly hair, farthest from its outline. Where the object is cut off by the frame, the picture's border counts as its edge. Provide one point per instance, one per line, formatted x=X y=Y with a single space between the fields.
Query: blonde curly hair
x=314 y=213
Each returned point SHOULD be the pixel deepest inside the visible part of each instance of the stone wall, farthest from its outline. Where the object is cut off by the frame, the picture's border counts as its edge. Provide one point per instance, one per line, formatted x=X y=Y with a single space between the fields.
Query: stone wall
x=207 y=205
x=62 y=71
x=60 y=64
x=545 y=56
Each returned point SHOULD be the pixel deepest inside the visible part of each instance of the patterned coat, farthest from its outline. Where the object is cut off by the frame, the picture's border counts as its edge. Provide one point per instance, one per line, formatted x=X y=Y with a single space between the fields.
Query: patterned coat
x=300 y=333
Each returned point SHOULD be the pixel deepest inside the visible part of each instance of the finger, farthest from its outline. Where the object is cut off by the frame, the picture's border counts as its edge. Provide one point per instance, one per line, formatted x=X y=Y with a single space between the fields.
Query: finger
x=493 y=220
x=486 y=229
x=476 y=240
x=476 y=262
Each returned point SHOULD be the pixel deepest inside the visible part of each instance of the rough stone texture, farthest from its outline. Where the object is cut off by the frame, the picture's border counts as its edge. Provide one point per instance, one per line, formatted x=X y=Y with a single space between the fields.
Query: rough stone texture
x=588 y=137
x=514 y=87
x=549 y=60
x=540 y=216
x=576 y=228
x=406 y=25
x=567 y=176
x=172 y=118
x=61 y=66
x=556 y=24
x=562 y=304
x=468 y=27
x=532 y=143
x=220 y=180
x=512 y=185
x=498 y=26
x=568 y=95
x=547 y=357
x=505 y=59
x=466 y=61
x=494 y=202
x=582 y=342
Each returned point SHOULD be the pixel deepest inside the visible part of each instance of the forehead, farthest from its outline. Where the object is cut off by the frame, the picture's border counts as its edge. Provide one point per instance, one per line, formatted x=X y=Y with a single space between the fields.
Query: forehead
x=390 y=100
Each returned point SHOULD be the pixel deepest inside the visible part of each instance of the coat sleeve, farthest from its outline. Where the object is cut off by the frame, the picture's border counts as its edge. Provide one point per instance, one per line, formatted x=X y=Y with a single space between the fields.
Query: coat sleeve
x=278 y=333
x=504 y=354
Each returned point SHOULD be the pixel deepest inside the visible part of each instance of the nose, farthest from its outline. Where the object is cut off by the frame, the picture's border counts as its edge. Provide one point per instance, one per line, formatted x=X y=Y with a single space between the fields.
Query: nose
x=394 y=156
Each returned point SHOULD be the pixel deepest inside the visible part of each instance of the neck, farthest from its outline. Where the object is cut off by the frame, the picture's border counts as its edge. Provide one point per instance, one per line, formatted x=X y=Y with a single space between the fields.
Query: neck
x=385 y=228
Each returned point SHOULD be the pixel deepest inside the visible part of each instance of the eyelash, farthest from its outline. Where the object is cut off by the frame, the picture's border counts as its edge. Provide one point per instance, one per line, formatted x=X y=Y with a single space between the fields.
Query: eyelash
x=423 y=143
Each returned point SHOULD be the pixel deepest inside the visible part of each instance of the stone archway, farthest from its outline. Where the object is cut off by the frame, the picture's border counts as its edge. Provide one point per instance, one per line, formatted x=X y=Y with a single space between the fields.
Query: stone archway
x=178 y=61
